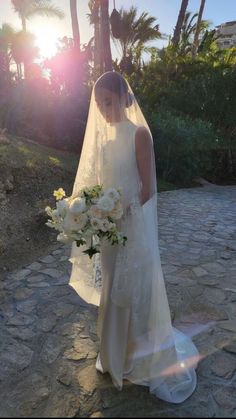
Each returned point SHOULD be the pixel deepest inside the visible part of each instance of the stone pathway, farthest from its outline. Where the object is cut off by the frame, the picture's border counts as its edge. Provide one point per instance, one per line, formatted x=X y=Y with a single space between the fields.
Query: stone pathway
x=48 y=343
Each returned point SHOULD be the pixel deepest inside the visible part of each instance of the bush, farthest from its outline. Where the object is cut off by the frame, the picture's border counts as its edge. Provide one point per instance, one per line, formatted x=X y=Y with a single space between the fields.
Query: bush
x=209 y=96
x=195 y=104
x=34 y=111
x=184 y=148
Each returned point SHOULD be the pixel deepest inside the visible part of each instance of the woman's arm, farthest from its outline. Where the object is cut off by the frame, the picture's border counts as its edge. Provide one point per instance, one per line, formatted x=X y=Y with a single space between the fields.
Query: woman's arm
x=143 y=148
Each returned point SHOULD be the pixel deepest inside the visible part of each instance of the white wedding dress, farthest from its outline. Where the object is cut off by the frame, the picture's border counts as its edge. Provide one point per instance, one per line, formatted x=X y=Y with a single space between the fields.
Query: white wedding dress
x=137 y=341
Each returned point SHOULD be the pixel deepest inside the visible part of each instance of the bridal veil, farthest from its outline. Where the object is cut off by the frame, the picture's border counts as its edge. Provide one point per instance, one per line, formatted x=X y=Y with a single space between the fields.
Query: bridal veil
x=156 y=354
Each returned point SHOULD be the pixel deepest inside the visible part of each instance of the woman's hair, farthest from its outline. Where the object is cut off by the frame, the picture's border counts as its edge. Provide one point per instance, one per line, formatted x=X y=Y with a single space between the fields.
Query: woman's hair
x=115 y=83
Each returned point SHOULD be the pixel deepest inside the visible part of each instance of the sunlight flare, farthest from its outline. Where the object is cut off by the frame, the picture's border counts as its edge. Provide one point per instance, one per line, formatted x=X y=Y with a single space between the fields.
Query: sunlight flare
x=46 y=40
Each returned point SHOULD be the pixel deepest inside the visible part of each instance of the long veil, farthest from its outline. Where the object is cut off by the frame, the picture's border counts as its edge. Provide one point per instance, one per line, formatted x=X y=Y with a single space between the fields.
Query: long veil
x=161 y=357
x=102 y=142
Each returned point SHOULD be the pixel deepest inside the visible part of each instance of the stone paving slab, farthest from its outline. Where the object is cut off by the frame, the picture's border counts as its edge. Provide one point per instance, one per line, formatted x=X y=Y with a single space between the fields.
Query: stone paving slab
x=49 y=345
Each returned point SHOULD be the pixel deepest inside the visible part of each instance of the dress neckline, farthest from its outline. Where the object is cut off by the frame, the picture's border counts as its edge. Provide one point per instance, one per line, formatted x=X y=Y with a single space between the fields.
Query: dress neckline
x=115 y=124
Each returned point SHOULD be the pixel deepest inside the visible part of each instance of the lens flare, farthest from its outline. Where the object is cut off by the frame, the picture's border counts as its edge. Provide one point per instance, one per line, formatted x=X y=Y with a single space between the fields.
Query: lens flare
x=46 y=40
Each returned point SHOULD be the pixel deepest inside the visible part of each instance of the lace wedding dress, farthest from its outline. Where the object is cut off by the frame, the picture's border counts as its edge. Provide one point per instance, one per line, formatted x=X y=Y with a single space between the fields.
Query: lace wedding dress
x=137 y=340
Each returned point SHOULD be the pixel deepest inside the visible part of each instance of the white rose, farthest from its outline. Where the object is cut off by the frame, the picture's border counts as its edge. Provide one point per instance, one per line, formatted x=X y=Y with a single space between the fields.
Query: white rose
x=94 y=212
x=74 y=222
x=117 y=212
x=62 y=207
x=112 y=193
x=95 y=223
x=105 y=203
x=106 y=225
x=77 y=206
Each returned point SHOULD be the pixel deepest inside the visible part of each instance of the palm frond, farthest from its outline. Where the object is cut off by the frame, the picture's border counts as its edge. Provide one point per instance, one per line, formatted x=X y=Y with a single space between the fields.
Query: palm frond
x=45 y=10
x=136 y=30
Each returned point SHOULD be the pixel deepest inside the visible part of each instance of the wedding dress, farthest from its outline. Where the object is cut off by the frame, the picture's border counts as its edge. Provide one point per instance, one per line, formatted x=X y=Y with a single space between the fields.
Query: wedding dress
x=137 y=340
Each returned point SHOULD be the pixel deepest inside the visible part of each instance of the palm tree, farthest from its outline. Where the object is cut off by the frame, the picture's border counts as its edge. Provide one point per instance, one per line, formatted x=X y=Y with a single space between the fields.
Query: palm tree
x=135 y=34
x=99 y=17
x=28 y=8
x=198 y=27
x=75 y=24
x=179 y=24
x=6 y=36
x=188 y=31
x=208 y=46
x=23 y=50
x=94 y=19
x=105 y=35
x=18 y=47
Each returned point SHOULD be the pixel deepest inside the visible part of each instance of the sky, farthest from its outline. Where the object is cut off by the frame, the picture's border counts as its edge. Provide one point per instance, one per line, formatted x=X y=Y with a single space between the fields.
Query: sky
x=47 y=30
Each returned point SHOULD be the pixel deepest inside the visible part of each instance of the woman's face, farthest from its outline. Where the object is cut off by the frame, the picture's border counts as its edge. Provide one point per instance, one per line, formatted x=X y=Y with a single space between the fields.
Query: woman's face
x=109 y=105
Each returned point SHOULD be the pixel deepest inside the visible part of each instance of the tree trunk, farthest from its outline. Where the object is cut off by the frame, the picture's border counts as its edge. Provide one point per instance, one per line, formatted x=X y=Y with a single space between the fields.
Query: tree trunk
x=97 y=40
x=20 y=72
x=75 y=23
x=197 y=31
x=23 y=22
x=105 y=38
x=179 y=24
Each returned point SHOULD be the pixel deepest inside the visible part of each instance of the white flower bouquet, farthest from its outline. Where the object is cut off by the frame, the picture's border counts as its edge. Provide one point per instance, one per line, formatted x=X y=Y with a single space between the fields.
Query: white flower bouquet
x=87 y=218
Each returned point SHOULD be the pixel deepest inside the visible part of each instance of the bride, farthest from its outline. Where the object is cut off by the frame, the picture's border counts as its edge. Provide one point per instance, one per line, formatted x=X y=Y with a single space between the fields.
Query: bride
x=137 y=340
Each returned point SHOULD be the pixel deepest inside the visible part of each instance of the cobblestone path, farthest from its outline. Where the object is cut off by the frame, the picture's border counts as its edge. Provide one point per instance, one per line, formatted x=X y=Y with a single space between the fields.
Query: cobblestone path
x=48 y=342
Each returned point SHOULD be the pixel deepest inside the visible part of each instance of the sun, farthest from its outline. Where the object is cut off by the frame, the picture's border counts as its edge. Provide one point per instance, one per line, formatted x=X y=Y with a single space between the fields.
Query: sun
x=46 y=40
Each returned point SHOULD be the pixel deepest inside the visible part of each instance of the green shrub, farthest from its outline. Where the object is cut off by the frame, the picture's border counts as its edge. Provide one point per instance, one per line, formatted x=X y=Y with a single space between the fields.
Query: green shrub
x=211 y=97
x=184 y=148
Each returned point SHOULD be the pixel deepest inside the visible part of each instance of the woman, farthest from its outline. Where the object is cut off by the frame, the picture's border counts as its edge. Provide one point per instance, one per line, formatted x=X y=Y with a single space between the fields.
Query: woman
x=137 y=340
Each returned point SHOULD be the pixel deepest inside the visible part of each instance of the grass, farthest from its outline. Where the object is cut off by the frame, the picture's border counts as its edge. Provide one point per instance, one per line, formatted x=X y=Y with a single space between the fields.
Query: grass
x=163 y=185
x=25 y=153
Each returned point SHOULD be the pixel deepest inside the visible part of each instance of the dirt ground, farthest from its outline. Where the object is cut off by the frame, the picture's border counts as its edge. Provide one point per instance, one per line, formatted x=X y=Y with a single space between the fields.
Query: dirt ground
x=29 y=174
x=24 y=235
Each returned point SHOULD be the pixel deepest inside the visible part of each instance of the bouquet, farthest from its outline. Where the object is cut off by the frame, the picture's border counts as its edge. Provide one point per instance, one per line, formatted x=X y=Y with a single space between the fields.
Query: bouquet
x=88 y=217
